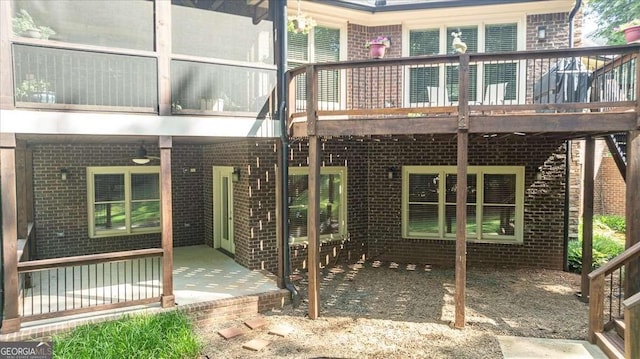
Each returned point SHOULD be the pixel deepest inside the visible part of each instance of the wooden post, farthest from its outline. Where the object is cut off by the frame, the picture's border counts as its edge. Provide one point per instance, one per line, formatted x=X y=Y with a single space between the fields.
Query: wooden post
x=163 y=48
x=279 y=221
x=461 y=229
x=165 y=144
x=633 y=209
x=632 y=325
x=587 y=217
x=596 y=307
x=21 y=189
x=6 y=67
x=313 y=213
x=11 y=321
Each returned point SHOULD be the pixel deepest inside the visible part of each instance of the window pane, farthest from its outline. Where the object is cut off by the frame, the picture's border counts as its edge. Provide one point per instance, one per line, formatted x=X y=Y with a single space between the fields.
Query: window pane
x=145 y=214
x=472 y=188
x=424 y=42
x=109 y=216
x=330 y=203
x=501 y=38
x=423 y=218
x=122 y=23
x=500 y=189
x=498 y=220
x=421 y=78
x=109 y=187
x=297 y=46
x=450 y=219
x=298 y=205
x=469 y=36
x=232 y=30
x=501 y=73
x=145 y=186
x=326 y=44
x=423 y=187
x=453 y=80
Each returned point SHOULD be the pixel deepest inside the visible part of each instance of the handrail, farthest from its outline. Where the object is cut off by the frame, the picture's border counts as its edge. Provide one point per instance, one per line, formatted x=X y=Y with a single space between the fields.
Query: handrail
x=616 y=262
x=36 y=265
x=632 y=301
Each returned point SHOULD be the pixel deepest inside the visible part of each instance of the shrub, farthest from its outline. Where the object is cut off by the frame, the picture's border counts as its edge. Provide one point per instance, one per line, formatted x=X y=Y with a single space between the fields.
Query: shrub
x=617 y=223
x=604 y=248
x=165 y=335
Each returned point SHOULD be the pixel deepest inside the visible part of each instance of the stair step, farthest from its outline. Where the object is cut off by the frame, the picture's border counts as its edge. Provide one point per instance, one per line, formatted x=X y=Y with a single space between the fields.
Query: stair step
x=611 y=344
x=619 y=326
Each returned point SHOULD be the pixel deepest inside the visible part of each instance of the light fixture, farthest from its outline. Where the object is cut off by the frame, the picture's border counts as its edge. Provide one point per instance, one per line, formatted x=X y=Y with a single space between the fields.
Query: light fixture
x=235 y=175
x=63 y=174
x=140 y=161
x=542 y=32
x=140 y=157
x=391 y=172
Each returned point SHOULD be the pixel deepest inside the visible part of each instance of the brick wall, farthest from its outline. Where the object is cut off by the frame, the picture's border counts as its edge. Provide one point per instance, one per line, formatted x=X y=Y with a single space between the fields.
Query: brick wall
x=61 y=206
x=609 y=189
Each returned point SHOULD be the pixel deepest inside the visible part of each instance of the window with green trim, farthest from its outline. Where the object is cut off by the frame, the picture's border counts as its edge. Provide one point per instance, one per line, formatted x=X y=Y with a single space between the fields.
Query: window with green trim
x=123 y=200
x=495 y=202
x=333 y=203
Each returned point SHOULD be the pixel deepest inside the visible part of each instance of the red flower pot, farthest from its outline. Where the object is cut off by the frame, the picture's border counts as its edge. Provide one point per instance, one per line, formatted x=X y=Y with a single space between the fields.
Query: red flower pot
x=377 y=50
x=632 y=34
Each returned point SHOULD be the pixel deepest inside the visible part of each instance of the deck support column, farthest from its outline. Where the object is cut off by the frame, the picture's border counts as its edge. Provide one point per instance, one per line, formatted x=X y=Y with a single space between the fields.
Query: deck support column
x=163 y=47
x=461 y=229
x=633 y=208
x=21 y=190
x=313 y=214
x=587 y=216
x=11 y=321
x=165 y=144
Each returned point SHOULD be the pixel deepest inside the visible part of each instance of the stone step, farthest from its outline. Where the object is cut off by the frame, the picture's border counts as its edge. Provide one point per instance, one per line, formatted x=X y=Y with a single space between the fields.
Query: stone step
x=256 y=344
x=229 y=333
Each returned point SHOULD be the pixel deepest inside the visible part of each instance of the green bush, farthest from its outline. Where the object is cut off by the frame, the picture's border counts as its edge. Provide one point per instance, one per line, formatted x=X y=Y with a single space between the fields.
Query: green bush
x=604 y=248
x=617 y=223
x=165 y=335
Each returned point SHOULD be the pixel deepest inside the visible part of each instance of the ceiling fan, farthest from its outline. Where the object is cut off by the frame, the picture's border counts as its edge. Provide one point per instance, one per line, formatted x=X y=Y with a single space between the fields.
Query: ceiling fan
x=141 y=158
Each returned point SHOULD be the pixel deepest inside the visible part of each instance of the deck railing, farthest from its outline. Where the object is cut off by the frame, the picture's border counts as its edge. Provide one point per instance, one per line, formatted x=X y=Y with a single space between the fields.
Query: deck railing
x=564 y=80
x=72 y=285
x=608 y=287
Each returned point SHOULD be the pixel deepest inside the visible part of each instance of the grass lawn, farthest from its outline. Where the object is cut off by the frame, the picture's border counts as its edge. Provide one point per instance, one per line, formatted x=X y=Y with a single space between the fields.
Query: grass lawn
x=166 y=335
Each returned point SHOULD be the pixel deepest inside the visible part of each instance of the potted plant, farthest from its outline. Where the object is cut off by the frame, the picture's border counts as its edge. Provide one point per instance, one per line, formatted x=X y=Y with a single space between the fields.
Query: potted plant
x=300 y=23
x=32 y=90
x=24 y=25
x=377 y=47
x=631 y=30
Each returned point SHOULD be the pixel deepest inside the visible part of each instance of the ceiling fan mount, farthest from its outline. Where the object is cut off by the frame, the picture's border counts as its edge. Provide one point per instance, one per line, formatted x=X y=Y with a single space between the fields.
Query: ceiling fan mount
x=141 y=157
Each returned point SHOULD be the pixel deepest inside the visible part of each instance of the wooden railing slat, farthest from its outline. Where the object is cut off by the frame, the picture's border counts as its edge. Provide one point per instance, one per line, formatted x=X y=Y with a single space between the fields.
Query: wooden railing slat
x=32 y=266
x=617 y=262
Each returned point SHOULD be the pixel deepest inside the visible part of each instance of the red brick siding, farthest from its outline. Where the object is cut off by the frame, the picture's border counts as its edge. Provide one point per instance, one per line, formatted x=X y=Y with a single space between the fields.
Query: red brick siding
x=61 y=206
x=609 y=190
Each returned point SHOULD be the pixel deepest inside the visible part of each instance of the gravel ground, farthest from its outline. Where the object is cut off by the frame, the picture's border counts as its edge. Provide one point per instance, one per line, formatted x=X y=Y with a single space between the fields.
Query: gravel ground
x=385 y=310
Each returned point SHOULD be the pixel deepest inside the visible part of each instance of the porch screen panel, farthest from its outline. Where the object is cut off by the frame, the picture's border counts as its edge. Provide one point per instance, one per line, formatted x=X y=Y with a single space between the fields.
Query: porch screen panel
x=469 y=35
x=450 y=203
x=145 y=200
x=499 y=205
x=423 y=42
x=109 y=202
x=502 y=38
x=423 y=204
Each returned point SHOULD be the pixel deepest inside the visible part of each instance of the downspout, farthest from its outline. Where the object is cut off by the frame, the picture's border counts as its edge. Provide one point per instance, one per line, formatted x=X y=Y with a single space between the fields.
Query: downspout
x=567 y=164
x=281 y=94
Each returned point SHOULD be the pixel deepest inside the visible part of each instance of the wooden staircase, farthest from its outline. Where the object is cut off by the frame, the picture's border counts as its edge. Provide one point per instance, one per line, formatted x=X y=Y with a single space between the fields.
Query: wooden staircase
x=614 y=322
x=617 y=144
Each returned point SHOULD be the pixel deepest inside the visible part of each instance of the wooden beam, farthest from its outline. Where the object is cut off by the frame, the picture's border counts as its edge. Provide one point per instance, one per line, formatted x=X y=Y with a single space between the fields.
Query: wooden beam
x=596 y=307
x=165 y=144
x=633 y=209
x=163 y=48
x=632 y=326
x=29 y=184
x=461 y=228
x=553 y=122
x=360 y=127
x=313 y=227
x=21 y=189
x=280 y=242
x=587 y=216
x=6 y=67
x=463 y=93
x=11 y=321
x=312 y=99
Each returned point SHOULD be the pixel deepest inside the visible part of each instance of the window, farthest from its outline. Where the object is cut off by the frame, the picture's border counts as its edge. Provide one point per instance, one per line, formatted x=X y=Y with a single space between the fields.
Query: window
x=495 y=202
x=333 y=203
x=481 y=38
x=123 y=200
x=322 y=44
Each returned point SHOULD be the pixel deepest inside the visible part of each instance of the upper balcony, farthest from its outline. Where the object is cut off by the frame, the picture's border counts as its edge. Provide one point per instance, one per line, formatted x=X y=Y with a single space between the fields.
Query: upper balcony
x=570 y=90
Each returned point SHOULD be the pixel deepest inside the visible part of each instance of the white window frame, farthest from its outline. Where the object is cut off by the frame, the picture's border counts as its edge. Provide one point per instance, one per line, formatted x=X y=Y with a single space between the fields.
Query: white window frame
x=342 y=213
x=479 y=171
x=445 y=45
x=326 y=105
x=126 y=171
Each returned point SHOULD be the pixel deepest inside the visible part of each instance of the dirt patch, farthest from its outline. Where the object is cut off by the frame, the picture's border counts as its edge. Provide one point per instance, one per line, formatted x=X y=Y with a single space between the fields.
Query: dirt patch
x=384 y=310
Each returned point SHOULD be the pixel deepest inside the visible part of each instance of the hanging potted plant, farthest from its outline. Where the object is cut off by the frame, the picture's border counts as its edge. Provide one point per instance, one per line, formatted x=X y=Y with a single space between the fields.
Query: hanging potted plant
x=300 y=23
x=378 y=46
x=631 y=30
x=24 y=25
